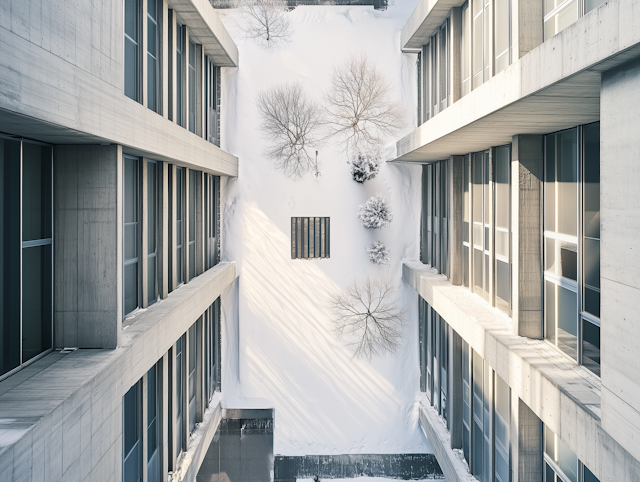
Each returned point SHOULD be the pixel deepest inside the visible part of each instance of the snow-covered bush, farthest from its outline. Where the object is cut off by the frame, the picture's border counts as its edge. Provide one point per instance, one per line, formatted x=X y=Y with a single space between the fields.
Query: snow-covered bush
x=292 y=125
x=359 y=108
x=267 y=21
x=379 y=253
x=365 y=166
x=368 y=317
x=375 y=213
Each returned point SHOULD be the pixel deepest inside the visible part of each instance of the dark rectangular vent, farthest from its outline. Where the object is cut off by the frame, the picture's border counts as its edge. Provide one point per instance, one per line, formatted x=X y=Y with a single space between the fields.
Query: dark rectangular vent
x=310 y=238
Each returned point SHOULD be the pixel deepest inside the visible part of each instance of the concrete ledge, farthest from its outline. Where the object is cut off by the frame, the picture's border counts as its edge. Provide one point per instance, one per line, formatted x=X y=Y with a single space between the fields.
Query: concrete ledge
x=453 y=467
x=191 y=460
x=424 y=20
x=61 y=417
x=207 y=28
x=246 y=413
x=566 y=397
x=553 y=87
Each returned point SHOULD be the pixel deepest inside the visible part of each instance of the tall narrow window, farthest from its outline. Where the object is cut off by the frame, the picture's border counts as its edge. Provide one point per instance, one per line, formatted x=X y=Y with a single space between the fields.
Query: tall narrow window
x=192 y=86
x=37 y=255
x=444 y=66
x=132 y=434
x=131 y=51
x=179 y=84
x=465 y=45
x=444 y=367
x=214 y=341
x=152 y=232
x=213 y=206
x=131 y=234
x=192 y=224
x=502 y=35
x=179 y=228
x=502 y=231
x=191 y=377
x=434 y=249
x=26 y=263
x=502 y=422
x=154 y=395
x=154 y=9
x=419 y=70
x=478 y=36
x=179 y=436
x=466 y=401
x=481 y=252
x=477 y=462
x=466 y=223
x=212 y=96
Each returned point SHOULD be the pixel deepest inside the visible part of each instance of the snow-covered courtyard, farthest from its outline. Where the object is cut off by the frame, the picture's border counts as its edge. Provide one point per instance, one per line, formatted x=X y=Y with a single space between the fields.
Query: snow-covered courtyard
x=289 y=358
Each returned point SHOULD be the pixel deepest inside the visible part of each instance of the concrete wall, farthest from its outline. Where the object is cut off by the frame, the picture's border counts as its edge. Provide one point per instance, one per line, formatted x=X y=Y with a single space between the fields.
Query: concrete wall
x=619 y=254
x=86 y=241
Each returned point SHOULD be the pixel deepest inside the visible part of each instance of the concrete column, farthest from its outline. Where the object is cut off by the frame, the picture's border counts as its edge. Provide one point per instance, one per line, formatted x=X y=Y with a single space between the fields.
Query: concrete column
x=455 y=389
x=88 y=233
x=172 y=225
x=526 y=224
x=200 y=95
x=143 y=52
x=164 y=413
x=200 y=223
x=144 y=234
x=171 y=63
x=145 y=424
x=200 y=396
x=526 y=443
x=456 y=200
x=455 y=54
x=185 y=391
x=163 y=230
x=526 y=27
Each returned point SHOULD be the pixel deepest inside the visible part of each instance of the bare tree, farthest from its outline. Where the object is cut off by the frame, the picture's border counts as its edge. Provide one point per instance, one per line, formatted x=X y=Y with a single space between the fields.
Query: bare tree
x=367 y=314
x=267 y=21
x=359 y=106
x=292 y=124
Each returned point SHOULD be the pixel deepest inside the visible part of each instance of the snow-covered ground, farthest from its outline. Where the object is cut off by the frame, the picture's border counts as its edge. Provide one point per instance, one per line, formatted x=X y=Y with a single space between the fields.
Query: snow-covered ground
x=279 y=349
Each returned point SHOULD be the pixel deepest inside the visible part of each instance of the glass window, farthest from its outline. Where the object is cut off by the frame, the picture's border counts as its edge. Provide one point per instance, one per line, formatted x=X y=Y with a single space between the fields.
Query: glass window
x=131 y=55
x=466 y=401
x=572 y=241
x=26 y=264
x=212 y=96
x=154 y=9
x=213 y=207
x=192 y=86
x=179 y=60
x=478 y=49
x=558 y=15
x=131 y=233
x=152 y=232
x=502 y=228
x=502 y=421
x=154 y=395
x=179 y=437
x=434 y=244
x=502 y=35
x=466 y=49
x=132 y=436
x=191 y=380
x=466 y=222
x=481 y=226
x=214 y=342
x=179 y=228
x=192 y=224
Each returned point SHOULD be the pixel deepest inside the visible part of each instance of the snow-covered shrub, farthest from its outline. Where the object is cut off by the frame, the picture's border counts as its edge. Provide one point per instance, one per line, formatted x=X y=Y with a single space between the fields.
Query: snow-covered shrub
x=379 y=253
x=292 y=125
x=267 y=21
x=365 y=166
x=375 y=213
x=359 y=105
x=368 y=317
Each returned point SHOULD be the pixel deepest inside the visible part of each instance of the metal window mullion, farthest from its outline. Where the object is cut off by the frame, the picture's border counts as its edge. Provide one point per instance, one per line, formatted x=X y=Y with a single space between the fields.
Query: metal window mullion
x=580 y=281
x=21 y=286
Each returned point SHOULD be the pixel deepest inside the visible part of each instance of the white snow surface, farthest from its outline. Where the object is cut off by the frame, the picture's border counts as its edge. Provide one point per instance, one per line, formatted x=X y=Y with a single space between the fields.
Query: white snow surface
x=279 y=349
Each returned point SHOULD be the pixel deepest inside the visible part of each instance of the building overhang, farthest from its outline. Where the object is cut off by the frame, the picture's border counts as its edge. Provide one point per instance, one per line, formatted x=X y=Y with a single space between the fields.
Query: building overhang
x=555 y=86
x=424 y=21
x=207 y=29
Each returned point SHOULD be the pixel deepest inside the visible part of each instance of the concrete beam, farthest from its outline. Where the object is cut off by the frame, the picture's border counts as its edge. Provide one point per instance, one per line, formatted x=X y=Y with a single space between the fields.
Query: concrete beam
x=566 y=397
x=428 y=16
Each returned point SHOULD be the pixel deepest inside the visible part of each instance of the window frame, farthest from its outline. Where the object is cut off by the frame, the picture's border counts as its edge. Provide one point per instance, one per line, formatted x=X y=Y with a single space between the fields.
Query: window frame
x=140 y=250
x=157 y=58
x=138 y=44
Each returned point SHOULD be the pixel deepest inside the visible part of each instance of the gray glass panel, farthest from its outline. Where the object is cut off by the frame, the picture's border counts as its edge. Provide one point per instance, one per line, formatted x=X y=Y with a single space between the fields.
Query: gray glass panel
x=152 y=83
x=130 y=190
x=36 y=192
x=192 y=86
x=131 y=40
x=502 y=284
x=592 y=301
x=36 y=301
x=466 y=403
x=192 y=377
x=179 y=392
x=130 y=287
x=502 y=420
x=592 y=262
x=550 y=311
x=587 y=475
x=591 y=346
x=179 y=93
x=152 y=283
x=153 y=456
x=591 y=179
x=567 y=322
x=152 y=207
x=131 y=9
x=132 y=448
x=10 y=255
x=567 y=461
x=568 y=260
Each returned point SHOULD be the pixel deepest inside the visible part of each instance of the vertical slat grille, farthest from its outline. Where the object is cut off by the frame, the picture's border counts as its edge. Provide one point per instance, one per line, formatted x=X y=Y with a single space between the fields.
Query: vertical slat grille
x=309 y=237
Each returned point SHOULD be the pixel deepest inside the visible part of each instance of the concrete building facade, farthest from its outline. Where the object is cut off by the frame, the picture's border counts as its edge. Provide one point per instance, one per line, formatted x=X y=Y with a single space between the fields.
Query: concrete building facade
x=526 y=280
x=111 y=272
